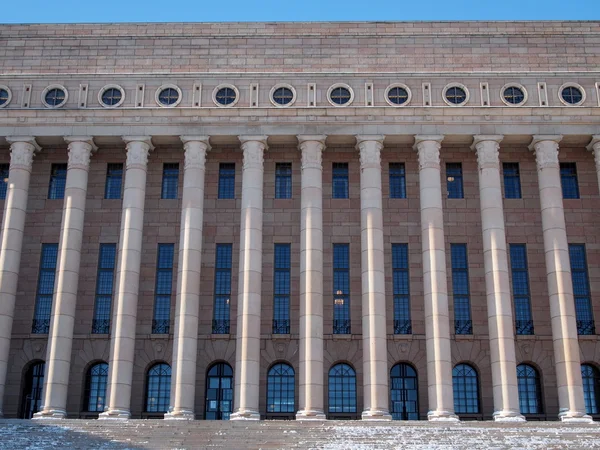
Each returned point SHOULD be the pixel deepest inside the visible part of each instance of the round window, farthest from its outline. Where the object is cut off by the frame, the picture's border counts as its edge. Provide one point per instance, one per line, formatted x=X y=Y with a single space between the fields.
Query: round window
x=112 y=97
x=340 y=95
x=168 y=96
x=55 y=97
x=514 y=95
x=572 y=95
x=4 y=96
x=456 y=95
x=397 y=95
x=283 y=96
x=226 y=96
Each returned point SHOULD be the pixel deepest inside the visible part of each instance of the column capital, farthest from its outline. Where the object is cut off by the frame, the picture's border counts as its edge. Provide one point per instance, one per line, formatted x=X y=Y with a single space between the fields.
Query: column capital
x=24 y=139
x=245 y=139
x=487 y=148
x=478 y=138
x=429 y=150
x=89 y=140
x=370 y=147
x=546 y=150
x=80 y=151
x=424 y=138
x=541 y=138
x=200 y=139
x=22 y=150
x=594 y=145
x=312 y=150
x=195 y=151
x=147 y=140
x=138 y=148
x=254 y=148
x=317 y=138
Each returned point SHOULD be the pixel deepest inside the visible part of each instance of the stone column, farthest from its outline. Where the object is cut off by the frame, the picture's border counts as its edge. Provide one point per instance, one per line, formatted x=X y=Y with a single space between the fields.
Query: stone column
x=594 y=146
x=247 y=349
x=435 y=291
x=375 y=360
x=185 y=344
x=311 y=280
x=60 y=339
x=495 y=258
x=560 y=288
x=122 y=343
x=22 y=150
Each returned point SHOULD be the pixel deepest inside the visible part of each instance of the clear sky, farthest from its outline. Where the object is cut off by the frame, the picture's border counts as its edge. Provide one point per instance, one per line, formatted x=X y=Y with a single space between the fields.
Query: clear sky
x=61 y=11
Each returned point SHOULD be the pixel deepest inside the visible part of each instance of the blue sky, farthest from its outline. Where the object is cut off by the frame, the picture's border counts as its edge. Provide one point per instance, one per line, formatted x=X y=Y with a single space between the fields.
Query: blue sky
x=61 y=11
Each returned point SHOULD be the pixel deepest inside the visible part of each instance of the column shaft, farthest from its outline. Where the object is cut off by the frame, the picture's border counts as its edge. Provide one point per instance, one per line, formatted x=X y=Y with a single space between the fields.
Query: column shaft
x=247 y=353
x=122 y=344
x=311 y=280
x=60 y=339
x=185 y=345
x=22 y=150
x=594 y=146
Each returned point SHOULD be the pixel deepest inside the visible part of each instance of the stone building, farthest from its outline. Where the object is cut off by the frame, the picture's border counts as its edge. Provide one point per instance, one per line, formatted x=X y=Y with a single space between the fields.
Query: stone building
x=300 y=220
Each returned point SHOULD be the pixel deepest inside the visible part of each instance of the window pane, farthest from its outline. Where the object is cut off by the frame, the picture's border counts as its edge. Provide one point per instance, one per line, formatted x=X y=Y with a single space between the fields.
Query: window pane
x=280 y=389
x=342 y=389
x=45 y=290
x=114 y=179
x=222 y=289
x=402 y=321
x=581 y=290
x=163 y=289
x=283 y=180
x=397 y=180
x=460 y=287
x=340 y=180
x=341 y=289
x=528 y=381
x=4 y=169
x=512 y=180
x=466 y=389
x=454 y=180
x=227 y=180
x=158 y=392
x=281 y=300
x=104 y=288
x=95 y=390
x=58 y=179
x=568 y=179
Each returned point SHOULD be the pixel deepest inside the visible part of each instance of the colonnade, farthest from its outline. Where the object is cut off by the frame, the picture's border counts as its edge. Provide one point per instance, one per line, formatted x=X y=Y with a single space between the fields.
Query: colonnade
x=311 y=383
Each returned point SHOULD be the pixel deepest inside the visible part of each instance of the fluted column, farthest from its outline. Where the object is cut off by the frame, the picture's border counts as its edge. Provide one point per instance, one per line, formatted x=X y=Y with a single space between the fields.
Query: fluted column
x=311 y=280
x=185 y=344
x=375 y=364
x=60 y=339
x=122 y=343
x=22 y=150
x=594 y=147
x=435 y=291
x=495 y=258
x=560 y=288
x=247 y=349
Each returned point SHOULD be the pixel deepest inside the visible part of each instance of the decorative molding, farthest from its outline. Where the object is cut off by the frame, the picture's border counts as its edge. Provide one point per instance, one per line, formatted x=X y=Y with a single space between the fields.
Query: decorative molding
x=370 y=147
x=488 y=150
x=429 y=151
x=195 y=151
x=594 y=146
x=546 y=150
x=80 y=151
x=22 y=150
x=254 y=148
x=138 y=148
x=312 y=148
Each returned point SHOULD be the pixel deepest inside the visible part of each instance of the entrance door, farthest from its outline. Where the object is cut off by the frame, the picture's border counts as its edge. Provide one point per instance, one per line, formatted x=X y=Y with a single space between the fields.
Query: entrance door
x=32 y=390
x=219 y=392
x=404 y=394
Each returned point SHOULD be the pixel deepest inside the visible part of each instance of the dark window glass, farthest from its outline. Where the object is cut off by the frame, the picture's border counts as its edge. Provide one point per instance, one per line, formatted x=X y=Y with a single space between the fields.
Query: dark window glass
x=460 y=289
x=4 y=169
x=520 y=289
x=340 y=180
x=530 y=392
x=591 y=388
x=454 y=180
x=283 y=96
x=513 y=95
x=281 y=301
x=568 y=180
x=581 y=290
x=402 y=322
x=45 y=289
x=164 y=287
x=456 y=95
x=397 y=95
x=111 y=96
x=512 y=180
x=341 y=289
x=226 y=96
x=404 y=396
x=340 y=96
x=114 y=180
x=571 y=95
x=342 y=389
x=222 y=289
x=158 y=388
x=219 y=392
x=397 y=180
x=227 y=180
x=58 y=180
x=465 y=385
x=104 y=288
x=95 y=387
x=280 y=389
x=3 y=96
x=55 y=97
x=32 y=393
x=168 y=96
x=283 y=180
x=170 y=180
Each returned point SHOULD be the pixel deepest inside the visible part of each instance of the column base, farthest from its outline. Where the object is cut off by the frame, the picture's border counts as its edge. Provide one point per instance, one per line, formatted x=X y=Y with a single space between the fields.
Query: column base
x=508 y=416
x=115 y=414
x=246 y=414
x=50 y=414
x=182 y=414
x=311 y=414
x=376 y=415
x=442 y=416
x=574 y=417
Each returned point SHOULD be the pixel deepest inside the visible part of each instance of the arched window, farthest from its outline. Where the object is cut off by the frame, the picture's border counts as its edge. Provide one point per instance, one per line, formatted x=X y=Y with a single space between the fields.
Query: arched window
x=466 y=389
x=342 y=390
x=95 y=387
x=404 y=393
x=158 y=391
x=280 y=389
x=219 y=392
x=591 y=388
x=530 y=392
x=32 y=389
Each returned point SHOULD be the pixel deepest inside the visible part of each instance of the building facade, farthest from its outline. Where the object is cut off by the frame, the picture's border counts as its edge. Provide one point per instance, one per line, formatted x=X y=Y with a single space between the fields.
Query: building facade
x=300 y=220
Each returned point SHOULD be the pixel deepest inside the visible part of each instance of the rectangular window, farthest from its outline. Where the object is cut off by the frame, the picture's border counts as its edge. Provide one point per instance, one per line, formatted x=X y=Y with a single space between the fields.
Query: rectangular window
x=222 y=289
x=568 y=180
x=164 y=287
x=520 y=289
x=104 y=288
x=45 y=289
x=4 y=168
x=281 y=288
x=170 y=180
x=397 y=180
x=581 y=290
x=341 y=289
x=340 y=180
x=512 y=180
x=58 y=180
x=454 y=180
x=114 y=180
x=227 y=180
x=283 y=180
x=460 y=289
x=402 y=323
